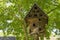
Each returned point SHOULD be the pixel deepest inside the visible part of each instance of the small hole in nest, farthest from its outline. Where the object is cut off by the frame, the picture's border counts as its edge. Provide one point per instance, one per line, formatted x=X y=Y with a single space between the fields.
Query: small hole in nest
x=33 y=24
x=40 y=29
x=35 y=7
x=40 y=14
x=39 y=19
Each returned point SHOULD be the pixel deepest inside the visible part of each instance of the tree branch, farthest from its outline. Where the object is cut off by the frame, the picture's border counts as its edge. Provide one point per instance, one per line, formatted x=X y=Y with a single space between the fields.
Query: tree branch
x=52 y=9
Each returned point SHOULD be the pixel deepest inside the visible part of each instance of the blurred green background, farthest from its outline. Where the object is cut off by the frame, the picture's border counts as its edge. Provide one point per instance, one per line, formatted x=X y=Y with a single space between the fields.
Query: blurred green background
x=12 y=13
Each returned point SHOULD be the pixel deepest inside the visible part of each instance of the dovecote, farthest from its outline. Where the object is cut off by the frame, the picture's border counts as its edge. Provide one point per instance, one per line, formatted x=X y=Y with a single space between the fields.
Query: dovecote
x=36 y=19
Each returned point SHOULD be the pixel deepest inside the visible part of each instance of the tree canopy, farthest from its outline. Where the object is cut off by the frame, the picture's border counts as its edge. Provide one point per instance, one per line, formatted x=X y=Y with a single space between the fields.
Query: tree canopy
x=13 y=12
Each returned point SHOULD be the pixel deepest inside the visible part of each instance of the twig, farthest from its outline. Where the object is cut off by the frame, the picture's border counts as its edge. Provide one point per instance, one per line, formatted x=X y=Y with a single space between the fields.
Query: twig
x=52 y=9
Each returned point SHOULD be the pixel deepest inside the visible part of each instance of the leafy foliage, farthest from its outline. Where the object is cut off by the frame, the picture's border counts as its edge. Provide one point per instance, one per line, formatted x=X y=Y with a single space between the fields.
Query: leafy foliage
x=12 y=13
